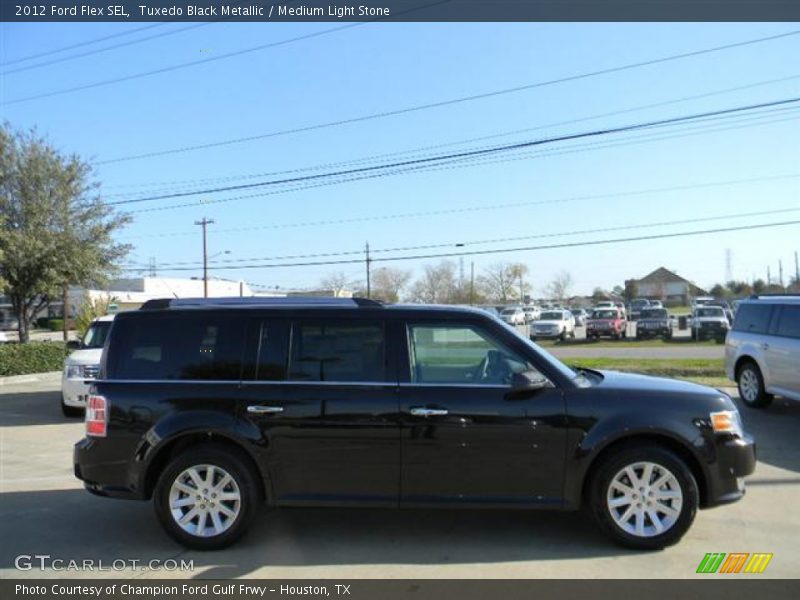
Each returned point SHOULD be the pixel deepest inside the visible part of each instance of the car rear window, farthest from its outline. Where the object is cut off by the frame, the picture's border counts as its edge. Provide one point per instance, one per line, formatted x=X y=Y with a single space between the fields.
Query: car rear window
x=165 y=347
x=753 y=318
x=789 y=322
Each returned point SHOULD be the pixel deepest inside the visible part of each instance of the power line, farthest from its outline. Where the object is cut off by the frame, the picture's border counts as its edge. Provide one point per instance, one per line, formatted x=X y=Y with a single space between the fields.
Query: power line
x=445 y=166
x=507 y=250
x=193 y=63
x=470 y=153
x=81 y=44
x=489 y=241
x=171 y=185
x=439 y=104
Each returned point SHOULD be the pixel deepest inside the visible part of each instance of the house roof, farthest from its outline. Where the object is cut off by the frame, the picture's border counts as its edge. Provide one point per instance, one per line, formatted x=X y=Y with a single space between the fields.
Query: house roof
x=663 y=275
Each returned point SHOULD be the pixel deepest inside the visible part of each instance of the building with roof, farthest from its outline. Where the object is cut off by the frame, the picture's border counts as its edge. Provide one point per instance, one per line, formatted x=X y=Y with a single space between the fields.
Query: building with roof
x=667 y=286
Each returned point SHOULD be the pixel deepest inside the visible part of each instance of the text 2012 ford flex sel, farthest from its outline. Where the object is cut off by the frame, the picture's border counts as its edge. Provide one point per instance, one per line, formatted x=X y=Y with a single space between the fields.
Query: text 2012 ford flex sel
x=215 y=407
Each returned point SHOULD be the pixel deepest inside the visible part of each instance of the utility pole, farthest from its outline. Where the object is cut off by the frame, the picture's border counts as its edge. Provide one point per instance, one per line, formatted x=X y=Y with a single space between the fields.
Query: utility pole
x=780 y=274
x=521 y=295
x=369 y=288
x=205 y=223
x=796 y=270
x=472 y=282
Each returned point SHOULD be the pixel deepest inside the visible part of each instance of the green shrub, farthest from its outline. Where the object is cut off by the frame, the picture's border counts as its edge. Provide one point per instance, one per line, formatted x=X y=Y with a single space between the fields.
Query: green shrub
x=42 y=322
x=33 y=357
x=56 y=324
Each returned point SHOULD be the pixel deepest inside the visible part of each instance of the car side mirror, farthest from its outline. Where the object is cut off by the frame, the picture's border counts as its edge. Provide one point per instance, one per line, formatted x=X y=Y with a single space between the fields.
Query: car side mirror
x=528 y=381
x=73 y=345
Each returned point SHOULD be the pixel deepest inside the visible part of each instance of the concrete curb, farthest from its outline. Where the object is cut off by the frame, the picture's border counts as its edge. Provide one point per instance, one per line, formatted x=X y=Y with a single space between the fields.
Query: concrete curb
x=30 y=378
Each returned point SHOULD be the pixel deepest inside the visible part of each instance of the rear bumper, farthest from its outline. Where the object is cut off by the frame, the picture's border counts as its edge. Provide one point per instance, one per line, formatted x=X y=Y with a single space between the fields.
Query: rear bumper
x=100 y=475
x=735 y=460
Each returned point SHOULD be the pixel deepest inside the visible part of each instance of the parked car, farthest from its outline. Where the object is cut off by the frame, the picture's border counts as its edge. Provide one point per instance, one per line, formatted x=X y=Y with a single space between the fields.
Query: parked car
x=82 y=366
x=607 y=322
x=654 y=322
x=513 y=315
x=532 y=313
x=604 y=304
x=580 y=316
x=554 y=324
x=762 y=351
x=215 y=407
x=709 y=322
x=637 y=306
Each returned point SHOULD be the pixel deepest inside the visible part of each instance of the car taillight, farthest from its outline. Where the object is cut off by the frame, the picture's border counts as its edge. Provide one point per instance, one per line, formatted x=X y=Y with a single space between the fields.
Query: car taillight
x=96 y=416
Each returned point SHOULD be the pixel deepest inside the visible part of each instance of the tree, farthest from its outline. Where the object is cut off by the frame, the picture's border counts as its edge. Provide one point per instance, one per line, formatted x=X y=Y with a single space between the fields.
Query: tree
x=759 y=286
x=336 y=283
x=559 y=287
x=718 y=291
x=88 y=311
x=57 y=229
x=387 y=283
x=438 y=284
x=631 y=290
x=504 y=282
x=599 y=294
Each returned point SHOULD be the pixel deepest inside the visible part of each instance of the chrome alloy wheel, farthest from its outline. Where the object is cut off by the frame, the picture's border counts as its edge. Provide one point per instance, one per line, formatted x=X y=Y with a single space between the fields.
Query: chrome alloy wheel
x=748 y=385
x=644 y=499
x=205 y=500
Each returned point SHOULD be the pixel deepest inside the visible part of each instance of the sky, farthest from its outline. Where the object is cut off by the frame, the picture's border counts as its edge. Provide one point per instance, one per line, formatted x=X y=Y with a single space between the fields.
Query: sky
x=545 y=195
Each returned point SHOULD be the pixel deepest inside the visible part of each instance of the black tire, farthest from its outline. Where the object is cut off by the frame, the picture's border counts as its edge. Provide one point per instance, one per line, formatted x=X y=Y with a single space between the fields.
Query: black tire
x=242 y=474
x=604 y=474
x=761 y=399
x=71 y=412
x=563 y=335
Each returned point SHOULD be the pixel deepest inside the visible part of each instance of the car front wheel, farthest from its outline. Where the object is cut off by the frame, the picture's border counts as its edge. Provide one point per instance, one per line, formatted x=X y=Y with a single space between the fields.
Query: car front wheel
x=206 y=497
x=751 y=386
x=644 y=497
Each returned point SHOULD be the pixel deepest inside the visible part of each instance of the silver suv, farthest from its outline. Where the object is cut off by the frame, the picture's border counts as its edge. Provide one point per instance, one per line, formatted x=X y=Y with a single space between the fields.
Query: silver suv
x=762 y=351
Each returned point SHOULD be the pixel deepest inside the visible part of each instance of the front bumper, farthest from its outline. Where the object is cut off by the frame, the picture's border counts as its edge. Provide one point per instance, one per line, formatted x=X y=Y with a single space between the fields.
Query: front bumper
x=547 y=333
x=735 y=460
x=74 y=391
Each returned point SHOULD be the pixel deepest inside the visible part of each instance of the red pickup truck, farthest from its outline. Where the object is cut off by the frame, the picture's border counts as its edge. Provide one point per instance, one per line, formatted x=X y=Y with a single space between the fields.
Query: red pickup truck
x=608 y=322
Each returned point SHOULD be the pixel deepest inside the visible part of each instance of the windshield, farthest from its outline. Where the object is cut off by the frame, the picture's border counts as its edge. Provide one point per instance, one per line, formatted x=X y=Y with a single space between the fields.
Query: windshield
x=96 y=334
x=552 y=316
x=604 y=314
x=709 y=312
x=510 y=311
x=654 y=313
x=639 y=303
x=577 y=311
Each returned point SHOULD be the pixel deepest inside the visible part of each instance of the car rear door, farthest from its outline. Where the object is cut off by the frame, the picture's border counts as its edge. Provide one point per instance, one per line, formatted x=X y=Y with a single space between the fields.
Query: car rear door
x=467 y=437
x=323 y=394
x=783 y=349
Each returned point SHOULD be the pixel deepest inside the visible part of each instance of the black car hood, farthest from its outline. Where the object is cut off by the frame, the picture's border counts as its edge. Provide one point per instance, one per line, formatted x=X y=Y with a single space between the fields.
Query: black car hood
x=615 y=380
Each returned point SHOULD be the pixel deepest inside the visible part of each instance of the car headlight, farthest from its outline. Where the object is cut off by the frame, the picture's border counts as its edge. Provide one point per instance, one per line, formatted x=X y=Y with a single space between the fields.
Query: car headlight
x=727 y=421
x=82 y=371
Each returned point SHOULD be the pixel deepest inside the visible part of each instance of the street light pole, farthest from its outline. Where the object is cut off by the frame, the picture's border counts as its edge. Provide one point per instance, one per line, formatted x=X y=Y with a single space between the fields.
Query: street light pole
x=205 y=223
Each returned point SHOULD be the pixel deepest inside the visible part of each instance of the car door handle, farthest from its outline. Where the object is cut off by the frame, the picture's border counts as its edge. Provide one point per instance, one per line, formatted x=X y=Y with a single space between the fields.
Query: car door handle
x=765 y=346
x=428 y=412
x=264 y=410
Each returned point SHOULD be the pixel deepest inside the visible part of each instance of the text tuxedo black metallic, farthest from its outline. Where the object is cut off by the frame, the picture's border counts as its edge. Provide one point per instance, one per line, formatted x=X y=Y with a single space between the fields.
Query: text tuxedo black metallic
x=213 y=407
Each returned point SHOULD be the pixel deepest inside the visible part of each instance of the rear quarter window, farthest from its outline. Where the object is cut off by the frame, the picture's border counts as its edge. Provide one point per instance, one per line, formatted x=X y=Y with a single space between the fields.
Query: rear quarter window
x=753 y=318
x=789 y=322
x=179 y=347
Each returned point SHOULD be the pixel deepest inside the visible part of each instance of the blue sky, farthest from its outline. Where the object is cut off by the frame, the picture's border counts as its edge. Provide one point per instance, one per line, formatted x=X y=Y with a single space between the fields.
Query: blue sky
x=382 y=67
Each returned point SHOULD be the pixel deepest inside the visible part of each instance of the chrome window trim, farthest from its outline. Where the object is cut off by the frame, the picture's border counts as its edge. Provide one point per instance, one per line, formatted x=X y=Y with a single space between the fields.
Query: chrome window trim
x=310 y=383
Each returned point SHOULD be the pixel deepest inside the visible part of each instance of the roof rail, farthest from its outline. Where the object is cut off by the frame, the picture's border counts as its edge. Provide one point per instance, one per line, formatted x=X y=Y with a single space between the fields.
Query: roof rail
x=162 y=303
x=775 y=295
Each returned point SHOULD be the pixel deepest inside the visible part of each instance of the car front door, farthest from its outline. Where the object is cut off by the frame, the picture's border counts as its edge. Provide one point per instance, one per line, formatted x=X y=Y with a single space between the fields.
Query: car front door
x=782 y=349
x=323 y=395
x=468 y=437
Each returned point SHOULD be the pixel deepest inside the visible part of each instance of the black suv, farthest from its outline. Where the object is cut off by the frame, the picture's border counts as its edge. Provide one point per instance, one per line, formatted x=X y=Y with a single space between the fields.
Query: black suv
x=213 y=407
x=653 y=322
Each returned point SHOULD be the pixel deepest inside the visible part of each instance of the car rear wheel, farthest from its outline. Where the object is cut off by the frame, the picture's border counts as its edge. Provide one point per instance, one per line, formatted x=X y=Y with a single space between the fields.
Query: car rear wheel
x=206 y=498
x=751 y=386
x=644 y=497
x=70 y=411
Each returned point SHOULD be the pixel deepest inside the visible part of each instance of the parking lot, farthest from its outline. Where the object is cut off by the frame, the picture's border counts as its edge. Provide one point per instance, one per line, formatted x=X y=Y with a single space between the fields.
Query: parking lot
x=45 y=511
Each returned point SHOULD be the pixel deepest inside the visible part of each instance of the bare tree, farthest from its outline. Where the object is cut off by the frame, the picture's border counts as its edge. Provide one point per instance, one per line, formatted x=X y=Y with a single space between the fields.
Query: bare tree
x=336 y=283
x=387 y=283
x=559 y=287
x=438 y=284
x=505 y=282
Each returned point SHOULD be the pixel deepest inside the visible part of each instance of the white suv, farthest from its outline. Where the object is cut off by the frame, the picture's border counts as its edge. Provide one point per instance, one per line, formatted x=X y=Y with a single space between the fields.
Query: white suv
x=554 y=324
x=513 y=315
x=81 y=365
x=762 y=351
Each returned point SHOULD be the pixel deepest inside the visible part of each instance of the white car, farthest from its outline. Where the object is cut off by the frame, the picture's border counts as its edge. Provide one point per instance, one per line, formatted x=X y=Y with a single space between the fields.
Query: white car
x=709 y=322
x=762 y=352
x=532 y=313
x=513 y=315
x=554 y=324
x=83 y=364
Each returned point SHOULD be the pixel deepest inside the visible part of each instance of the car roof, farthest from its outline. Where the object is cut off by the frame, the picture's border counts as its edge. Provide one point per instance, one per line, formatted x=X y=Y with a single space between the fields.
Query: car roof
x=772 y=299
